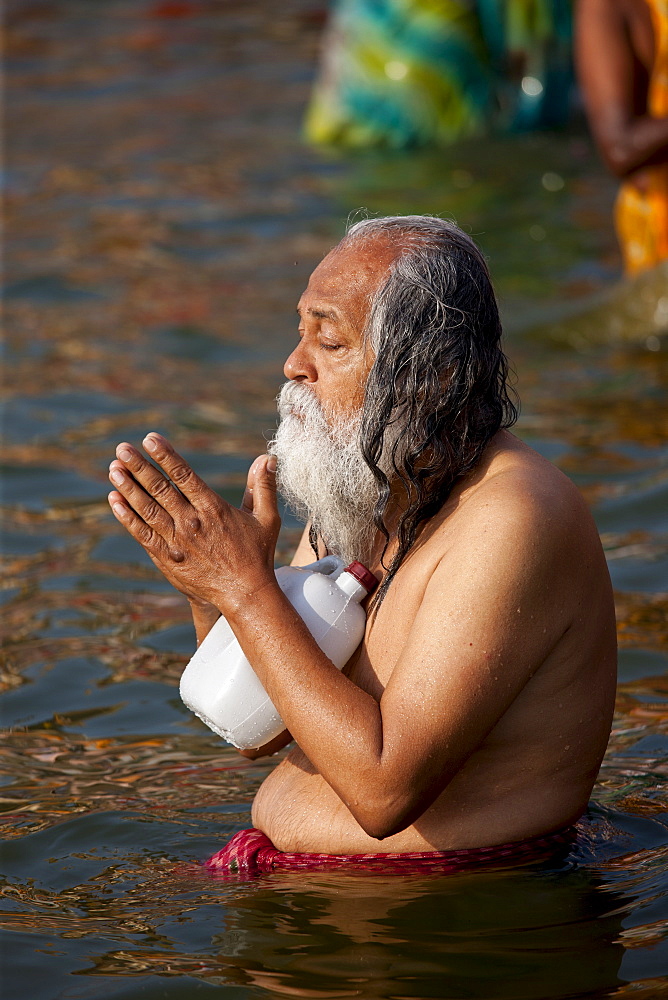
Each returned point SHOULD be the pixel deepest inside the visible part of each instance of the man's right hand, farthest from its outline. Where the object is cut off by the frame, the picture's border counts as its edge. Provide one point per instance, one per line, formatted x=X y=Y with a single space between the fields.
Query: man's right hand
x=212 y=552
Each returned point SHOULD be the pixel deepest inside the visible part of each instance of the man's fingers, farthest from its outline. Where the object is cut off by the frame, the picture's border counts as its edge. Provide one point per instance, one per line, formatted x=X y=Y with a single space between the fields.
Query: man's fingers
x=139 y=529
x=147 y=508
x=265 y=504
x=247 y=502
x=153 y=481
x=178 y=470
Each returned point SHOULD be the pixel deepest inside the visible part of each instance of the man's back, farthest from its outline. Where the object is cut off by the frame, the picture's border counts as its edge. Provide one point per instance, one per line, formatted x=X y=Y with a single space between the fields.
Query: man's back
x=505 y=593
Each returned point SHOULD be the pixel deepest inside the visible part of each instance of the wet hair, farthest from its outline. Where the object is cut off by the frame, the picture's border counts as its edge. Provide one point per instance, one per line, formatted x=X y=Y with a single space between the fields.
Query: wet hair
x=437 y=392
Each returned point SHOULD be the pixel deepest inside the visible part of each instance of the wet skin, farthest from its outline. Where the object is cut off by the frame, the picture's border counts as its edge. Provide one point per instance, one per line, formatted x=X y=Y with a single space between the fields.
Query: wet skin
x=478 y=707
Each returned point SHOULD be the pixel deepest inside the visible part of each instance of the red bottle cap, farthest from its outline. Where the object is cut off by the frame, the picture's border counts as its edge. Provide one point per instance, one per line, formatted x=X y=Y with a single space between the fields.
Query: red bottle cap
x=362 y=575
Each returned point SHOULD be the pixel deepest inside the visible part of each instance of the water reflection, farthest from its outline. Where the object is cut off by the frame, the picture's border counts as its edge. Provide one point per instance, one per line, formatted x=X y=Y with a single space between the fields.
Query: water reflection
x=539 y=933
x=507 y=934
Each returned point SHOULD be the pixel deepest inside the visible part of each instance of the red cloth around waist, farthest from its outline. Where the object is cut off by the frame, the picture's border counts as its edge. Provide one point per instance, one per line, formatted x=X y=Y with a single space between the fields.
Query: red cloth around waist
x=250 y=852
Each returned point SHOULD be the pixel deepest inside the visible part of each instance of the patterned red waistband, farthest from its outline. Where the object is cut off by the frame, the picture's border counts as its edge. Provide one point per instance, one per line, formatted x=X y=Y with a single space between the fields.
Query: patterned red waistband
x=250 y=852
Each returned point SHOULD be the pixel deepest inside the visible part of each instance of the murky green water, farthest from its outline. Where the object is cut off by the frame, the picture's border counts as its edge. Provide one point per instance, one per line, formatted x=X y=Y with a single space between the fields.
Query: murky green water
x=163 y=218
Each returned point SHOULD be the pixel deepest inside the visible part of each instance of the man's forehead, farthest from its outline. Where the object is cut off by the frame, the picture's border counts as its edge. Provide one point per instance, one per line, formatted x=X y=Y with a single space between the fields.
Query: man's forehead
x=348 y=273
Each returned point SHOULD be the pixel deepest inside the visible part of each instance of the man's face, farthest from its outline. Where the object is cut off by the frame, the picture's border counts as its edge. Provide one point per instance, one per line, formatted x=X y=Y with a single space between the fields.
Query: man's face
x=331 y=359
x=321 y=470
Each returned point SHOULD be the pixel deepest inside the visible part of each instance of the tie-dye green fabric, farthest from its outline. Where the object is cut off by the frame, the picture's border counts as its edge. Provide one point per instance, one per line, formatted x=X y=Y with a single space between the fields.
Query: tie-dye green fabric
x=416 y=72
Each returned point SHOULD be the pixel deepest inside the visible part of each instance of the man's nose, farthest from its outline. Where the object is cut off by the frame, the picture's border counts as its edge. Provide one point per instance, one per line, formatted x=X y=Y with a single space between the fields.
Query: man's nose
x=299 y=367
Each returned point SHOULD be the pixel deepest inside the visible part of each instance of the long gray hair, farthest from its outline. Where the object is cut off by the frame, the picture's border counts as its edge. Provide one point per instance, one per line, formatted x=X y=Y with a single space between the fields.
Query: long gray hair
x=437 y=392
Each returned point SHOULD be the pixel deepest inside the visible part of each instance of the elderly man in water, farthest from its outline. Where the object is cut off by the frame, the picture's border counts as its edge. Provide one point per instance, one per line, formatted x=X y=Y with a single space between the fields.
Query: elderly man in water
x=469 y=726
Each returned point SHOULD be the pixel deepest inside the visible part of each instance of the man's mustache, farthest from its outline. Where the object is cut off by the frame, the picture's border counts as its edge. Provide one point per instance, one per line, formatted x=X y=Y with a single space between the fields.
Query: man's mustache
x=295 y=398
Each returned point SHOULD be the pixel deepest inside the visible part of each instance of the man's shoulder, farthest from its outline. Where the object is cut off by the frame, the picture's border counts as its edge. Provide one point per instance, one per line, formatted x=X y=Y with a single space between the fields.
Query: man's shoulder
x=520 y=531
x=515 y=477
x=518 y=495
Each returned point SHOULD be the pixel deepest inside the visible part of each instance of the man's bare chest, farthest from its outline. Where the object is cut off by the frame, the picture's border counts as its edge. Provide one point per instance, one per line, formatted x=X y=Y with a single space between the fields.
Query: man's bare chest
x=388 y=628
x=387 y=631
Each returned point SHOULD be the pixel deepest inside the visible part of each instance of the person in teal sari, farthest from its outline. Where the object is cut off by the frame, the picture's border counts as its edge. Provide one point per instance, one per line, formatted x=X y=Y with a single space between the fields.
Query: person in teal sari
x=404 y=73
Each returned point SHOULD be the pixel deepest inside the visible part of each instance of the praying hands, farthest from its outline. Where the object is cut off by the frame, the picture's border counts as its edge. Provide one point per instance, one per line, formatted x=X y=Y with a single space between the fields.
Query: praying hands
x=215 y=554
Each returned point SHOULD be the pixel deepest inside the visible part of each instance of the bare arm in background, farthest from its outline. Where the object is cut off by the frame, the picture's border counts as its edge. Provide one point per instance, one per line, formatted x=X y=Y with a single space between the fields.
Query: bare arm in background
x=614 y=53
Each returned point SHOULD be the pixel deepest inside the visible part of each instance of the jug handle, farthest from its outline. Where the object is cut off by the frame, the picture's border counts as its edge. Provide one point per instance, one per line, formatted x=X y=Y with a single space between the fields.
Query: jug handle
x=330 y=566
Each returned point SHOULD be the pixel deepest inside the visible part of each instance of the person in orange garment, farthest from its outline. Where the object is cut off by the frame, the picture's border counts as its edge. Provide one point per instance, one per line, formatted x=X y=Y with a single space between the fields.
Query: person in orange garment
x=622 y=60
x=471 y=722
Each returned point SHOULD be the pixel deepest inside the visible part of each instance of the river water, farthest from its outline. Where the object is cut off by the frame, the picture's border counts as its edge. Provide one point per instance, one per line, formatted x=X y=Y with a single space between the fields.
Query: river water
x=163 y=216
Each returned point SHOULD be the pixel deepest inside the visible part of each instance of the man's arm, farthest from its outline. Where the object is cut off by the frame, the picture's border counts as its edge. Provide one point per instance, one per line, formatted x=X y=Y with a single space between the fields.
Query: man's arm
x=304 y=555
x=607 y=70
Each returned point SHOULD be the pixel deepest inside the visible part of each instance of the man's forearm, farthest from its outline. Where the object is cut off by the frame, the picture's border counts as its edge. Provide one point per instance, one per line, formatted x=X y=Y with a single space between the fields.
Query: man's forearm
x=337 y=725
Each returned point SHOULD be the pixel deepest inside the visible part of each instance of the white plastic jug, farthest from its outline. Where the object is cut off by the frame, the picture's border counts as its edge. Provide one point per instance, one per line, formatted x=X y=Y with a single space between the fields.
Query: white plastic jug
x=220 y=686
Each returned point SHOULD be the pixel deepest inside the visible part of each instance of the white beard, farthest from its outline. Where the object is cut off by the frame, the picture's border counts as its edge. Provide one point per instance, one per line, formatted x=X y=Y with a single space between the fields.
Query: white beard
x=322 y=474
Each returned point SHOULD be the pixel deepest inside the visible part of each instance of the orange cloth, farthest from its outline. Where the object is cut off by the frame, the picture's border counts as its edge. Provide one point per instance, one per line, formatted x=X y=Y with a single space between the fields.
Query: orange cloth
x=641 y=214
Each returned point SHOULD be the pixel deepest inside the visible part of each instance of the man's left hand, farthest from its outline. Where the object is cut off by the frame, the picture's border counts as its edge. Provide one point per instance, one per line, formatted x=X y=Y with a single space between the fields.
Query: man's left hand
x=212 y=552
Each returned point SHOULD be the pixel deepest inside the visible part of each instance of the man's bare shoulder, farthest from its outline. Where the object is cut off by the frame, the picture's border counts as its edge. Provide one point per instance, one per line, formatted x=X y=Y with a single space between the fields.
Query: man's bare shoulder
x=517 y=489
x=521 y=526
